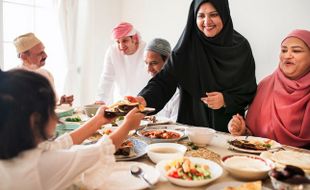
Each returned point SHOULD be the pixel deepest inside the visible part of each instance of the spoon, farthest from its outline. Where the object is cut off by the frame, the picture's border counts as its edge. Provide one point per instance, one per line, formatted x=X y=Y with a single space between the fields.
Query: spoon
x=138 y=172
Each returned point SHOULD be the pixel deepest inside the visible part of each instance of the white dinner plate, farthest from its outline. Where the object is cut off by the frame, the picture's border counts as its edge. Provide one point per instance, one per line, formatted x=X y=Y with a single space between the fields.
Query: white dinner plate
x=120 y=178
x=222 y=185
x=215 y=170
x=275 y=145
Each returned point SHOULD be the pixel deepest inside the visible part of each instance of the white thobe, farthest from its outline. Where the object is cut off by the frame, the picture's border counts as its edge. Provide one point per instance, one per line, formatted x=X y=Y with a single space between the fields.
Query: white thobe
x=122 y=75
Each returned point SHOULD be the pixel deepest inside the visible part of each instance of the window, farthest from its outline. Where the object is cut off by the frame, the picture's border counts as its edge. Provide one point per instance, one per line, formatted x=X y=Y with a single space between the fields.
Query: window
x=37 y=16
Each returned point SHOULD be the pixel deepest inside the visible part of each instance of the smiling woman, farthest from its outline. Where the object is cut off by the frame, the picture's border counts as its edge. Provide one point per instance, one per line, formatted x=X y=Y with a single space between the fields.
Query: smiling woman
x=280 y=109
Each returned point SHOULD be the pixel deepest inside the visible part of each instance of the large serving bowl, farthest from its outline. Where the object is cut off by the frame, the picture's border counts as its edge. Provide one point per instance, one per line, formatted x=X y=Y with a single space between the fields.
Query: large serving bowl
x=201 y=136
x=163 y=151
x=91 y=109
x=215 y=172
x=247 y=167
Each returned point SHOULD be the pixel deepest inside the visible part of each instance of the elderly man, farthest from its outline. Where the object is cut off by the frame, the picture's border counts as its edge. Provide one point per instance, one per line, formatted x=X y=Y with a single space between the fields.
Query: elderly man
x=31 y=51
x=156 y=54
x=123 y=71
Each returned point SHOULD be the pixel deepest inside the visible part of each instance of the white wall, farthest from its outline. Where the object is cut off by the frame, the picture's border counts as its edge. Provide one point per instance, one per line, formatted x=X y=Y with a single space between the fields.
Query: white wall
x=263 y=22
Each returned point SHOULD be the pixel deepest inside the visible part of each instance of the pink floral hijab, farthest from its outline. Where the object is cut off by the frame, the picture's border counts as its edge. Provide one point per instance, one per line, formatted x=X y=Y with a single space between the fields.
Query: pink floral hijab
x=281 y=108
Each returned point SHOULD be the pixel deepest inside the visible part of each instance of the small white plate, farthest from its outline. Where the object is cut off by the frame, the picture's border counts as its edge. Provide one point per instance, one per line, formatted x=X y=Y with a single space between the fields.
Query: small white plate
x=120 y=177
x=275 y=145
x=215 y=169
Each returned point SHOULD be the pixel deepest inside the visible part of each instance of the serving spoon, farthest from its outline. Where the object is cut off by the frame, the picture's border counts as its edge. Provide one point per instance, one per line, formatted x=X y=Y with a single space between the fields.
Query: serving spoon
x=138 y=172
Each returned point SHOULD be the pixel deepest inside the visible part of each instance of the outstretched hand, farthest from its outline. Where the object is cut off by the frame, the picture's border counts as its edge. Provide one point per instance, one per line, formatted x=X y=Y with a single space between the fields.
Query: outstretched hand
x=133 y=118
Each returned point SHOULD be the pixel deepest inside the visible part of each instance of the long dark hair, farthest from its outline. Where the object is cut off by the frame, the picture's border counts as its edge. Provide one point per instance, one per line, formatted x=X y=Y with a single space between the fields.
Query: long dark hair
x=23 y=94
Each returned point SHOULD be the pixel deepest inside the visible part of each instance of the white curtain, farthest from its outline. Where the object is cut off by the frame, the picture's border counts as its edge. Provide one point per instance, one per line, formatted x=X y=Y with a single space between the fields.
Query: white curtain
x=86 y=29
x=68 y=20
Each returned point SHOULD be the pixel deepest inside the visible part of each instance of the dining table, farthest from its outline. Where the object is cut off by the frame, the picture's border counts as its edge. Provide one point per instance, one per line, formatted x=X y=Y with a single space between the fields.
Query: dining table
x=215 y=150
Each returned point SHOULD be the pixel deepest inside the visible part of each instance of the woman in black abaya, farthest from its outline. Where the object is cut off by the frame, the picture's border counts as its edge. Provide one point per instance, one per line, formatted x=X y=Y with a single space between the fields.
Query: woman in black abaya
x=212 y=65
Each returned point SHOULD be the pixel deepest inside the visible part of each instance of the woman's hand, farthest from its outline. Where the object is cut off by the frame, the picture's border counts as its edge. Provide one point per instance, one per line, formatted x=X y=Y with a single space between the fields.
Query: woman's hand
x=236 y=125
x=100 y=116
x=214 y=100
x=133 y=118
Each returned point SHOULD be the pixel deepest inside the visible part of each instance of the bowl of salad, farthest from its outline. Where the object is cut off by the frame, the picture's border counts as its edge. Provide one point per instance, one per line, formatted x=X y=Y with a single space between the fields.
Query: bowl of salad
x=190 y=171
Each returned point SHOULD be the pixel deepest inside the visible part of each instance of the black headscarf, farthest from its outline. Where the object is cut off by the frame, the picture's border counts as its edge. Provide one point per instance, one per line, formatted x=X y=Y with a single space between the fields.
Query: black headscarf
x=225 y=62
x=201 y=64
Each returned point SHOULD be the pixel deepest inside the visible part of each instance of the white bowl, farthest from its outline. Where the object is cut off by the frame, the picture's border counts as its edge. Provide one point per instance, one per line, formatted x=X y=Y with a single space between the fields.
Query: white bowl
x=201 y=136
x=247 y=167
x=163 y=151
x=91 y=109
x=215 y=170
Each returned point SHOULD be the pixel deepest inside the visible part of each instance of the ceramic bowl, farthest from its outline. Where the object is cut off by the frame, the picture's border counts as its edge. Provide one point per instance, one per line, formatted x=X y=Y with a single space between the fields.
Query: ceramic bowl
x=247 y=167
x=277 y=184
x=91 y=109
x=163 y=151
x=201 y=136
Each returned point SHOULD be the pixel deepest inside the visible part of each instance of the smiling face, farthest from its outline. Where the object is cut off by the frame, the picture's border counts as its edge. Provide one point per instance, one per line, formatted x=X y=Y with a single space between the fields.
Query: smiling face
x=127 y=45
x=153 y=61
x=208 y=20
x=294 y=58
x=35 y=57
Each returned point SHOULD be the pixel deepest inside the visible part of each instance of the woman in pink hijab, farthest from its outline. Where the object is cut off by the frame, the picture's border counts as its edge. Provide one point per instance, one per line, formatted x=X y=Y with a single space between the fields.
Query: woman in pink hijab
x=281 y=108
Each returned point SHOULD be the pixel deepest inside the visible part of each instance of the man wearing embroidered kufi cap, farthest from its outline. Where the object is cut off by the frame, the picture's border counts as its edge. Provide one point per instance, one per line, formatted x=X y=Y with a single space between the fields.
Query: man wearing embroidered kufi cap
x=32 y=53
x=123 y=69
x=156 y=54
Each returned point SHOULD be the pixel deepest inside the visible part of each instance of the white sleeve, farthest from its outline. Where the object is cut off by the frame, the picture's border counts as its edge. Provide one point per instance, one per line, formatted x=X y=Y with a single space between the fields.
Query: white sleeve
x=106 y=83
x=62 y=142
x=58 y=169
x=173 y=106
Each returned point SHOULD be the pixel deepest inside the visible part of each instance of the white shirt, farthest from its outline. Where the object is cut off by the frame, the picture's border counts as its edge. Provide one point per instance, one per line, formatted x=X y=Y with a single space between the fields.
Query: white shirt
x=44 y=73
x=122 y=75
x=171 y=109
x=55 y=165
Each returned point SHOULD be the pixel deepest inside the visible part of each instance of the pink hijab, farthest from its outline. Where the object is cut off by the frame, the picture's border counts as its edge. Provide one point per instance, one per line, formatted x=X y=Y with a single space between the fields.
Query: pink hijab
x=281 y=108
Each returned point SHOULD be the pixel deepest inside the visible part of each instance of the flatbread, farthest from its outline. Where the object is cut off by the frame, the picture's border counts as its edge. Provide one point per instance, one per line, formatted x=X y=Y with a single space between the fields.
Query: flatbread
x=298 y=159
x=256 y=185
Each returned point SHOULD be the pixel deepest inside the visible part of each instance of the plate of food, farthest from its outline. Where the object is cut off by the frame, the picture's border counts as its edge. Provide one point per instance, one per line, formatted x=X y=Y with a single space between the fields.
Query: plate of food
x=189 y=171
x=163 y=133
x=131 y=149
x=289 y=157
x=122 y=107
x=251 y=144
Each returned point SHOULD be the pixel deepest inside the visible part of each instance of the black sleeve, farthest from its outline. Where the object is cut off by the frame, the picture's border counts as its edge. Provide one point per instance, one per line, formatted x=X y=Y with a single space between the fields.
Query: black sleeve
x=160 y=88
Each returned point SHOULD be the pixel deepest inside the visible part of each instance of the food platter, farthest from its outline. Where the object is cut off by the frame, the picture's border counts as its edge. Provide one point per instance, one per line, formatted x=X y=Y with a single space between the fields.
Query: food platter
x=115 y=113
x=161 y=133
x=269 y=144
x=138 y=150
